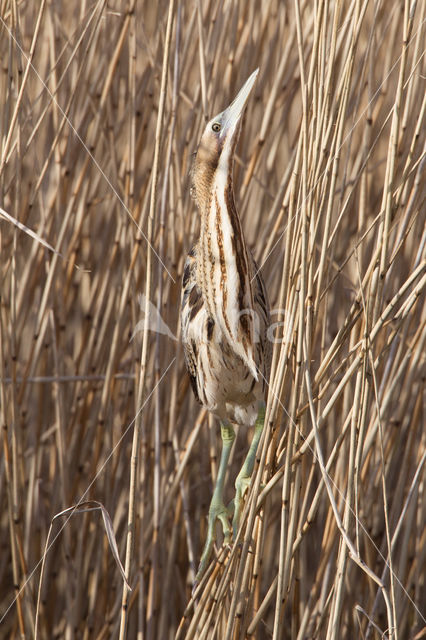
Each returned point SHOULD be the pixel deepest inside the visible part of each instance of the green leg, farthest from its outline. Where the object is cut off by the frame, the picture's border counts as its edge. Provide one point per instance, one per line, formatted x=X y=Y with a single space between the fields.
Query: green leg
x=243 y=479
x=217 y=510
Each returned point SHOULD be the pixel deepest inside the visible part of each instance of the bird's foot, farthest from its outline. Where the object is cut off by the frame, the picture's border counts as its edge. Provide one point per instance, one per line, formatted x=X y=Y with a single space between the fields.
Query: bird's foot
x=217 y=511
x=242 y=484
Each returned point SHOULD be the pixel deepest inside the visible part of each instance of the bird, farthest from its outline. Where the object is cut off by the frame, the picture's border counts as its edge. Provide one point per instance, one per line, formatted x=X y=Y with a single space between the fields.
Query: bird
x=225 y=313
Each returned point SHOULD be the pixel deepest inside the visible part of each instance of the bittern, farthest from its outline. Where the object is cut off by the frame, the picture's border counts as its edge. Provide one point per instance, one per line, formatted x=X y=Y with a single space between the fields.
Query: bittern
x=225 y=312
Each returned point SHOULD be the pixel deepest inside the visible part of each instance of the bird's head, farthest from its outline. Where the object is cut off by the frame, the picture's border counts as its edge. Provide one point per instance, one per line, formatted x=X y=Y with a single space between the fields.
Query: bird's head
x=215 y=153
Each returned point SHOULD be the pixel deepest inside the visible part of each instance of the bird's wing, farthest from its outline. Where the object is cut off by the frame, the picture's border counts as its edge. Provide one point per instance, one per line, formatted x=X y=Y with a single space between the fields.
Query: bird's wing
x=191 y=304
x=262 y=315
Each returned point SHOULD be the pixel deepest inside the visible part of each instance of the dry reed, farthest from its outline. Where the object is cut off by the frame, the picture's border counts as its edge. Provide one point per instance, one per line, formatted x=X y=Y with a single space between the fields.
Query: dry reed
x=101 y=110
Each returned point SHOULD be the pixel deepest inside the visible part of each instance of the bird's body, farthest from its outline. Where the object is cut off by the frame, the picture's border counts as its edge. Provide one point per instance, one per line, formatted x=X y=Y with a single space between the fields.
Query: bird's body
x=225 y=312
x=223 y=380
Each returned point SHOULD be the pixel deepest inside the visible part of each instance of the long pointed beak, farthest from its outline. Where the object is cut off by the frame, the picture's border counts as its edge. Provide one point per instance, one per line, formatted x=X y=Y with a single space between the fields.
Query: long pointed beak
x=232 y=115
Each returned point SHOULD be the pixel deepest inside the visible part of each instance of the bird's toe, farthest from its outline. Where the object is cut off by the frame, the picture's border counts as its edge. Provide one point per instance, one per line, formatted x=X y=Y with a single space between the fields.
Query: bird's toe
x=217 y=512
x=242 y=484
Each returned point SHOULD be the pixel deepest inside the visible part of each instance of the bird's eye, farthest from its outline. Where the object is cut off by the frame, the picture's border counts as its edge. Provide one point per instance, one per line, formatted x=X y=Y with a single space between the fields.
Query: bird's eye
x=216 y=127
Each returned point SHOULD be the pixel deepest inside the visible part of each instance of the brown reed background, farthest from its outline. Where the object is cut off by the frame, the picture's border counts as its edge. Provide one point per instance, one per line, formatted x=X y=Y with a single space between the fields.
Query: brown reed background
x=330 y=183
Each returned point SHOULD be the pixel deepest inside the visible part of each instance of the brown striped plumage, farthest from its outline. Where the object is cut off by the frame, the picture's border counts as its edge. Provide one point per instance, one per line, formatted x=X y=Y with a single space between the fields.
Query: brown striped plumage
x=225 y=313
x=225 y=310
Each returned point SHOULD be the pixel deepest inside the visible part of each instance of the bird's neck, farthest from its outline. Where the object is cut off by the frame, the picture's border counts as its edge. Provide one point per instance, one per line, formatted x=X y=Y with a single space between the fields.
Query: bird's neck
x=222 y=242
x=214 y=193
x=224 y=265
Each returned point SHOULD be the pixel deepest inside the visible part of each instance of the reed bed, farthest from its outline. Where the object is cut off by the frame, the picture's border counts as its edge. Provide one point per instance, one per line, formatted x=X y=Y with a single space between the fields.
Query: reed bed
x=102 y=107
